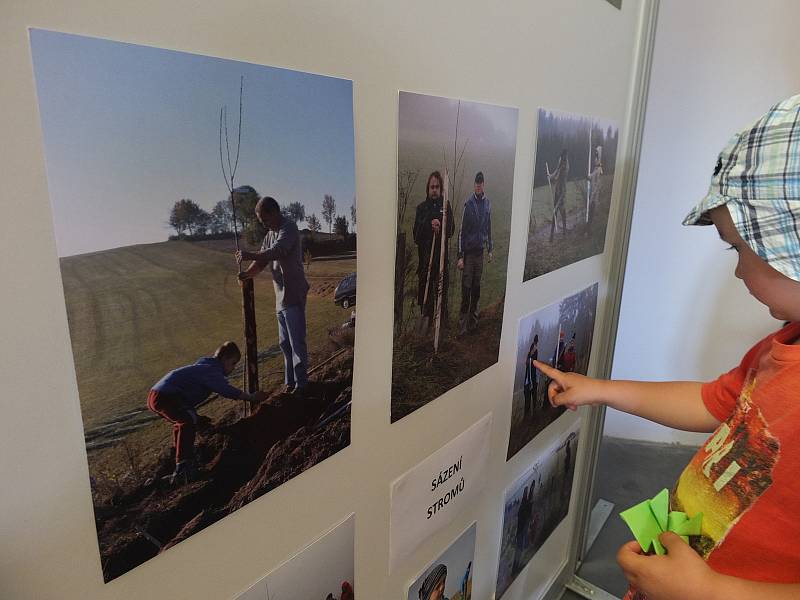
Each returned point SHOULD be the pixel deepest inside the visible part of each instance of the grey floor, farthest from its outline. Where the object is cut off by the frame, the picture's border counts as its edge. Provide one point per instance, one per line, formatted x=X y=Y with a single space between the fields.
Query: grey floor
x=627 y=473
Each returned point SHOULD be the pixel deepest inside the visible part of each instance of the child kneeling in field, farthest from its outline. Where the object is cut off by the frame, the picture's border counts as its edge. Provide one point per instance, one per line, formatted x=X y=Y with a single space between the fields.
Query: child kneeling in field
x=746 y=478
x=177 y=395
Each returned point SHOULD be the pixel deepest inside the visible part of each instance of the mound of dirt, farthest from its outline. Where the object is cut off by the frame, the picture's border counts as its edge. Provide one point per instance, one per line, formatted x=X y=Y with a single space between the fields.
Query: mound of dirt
x=419 y=376
x=241 y=458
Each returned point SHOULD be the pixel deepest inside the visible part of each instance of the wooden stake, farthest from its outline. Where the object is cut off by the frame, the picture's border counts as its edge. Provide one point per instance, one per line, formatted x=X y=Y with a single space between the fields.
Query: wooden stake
x=248 y=294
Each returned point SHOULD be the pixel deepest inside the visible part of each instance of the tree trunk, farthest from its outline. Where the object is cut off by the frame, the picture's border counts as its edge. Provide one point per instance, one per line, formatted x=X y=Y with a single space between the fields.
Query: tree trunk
x=250 y=340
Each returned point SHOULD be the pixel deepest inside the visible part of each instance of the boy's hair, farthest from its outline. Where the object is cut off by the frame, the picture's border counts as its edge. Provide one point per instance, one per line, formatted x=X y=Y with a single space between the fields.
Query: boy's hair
x=757 y=177
x=228 y=350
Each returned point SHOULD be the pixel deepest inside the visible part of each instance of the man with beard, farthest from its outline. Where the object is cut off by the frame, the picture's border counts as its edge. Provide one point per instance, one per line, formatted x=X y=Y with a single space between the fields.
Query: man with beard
x=427 y=236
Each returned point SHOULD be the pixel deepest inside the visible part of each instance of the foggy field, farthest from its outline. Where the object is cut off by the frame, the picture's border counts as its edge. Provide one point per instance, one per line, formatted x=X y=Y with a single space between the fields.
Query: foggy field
x=544 y=256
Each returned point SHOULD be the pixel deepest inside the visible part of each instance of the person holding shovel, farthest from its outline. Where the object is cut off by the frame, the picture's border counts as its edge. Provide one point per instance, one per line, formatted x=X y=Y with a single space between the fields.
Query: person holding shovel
x=558 y=179
x=427 y=237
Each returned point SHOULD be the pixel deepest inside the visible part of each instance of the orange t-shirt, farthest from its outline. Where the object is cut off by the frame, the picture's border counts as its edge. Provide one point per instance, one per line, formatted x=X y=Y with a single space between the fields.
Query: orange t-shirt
x=746 y=478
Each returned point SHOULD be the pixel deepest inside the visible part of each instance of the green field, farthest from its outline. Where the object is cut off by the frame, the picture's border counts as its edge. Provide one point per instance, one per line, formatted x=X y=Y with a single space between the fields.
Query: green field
x=139 y=311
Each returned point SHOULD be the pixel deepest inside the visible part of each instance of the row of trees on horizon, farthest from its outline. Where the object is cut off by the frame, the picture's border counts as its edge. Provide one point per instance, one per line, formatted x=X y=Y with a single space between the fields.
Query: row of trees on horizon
x=187 y=218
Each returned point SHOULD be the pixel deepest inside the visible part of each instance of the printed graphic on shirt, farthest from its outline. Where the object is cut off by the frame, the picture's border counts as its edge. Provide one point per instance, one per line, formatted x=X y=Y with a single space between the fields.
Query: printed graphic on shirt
x=729 y=473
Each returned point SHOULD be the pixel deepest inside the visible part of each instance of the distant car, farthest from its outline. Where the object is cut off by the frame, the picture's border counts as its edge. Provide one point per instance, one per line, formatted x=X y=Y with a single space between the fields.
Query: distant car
x=345 y=293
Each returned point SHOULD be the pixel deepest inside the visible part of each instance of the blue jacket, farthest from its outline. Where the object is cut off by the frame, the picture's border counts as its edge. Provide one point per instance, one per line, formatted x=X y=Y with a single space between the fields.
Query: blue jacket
x=194 y=383
x=476 y=226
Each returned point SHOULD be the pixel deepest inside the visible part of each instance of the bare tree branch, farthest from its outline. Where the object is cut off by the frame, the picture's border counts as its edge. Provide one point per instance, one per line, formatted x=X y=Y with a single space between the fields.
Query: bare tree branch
x=221 y=162
x=239 y=129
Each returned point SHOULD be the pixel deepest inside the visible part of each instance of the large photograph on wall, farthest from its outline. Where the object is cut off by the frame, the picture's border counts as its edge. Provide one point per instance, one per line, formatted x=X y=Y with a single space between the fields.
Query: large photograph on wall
x=576 y=158
x=534 y=506
x=559 y=335
x=455 y=170
x=205 y=225
x=324 y=570
x=450 y=575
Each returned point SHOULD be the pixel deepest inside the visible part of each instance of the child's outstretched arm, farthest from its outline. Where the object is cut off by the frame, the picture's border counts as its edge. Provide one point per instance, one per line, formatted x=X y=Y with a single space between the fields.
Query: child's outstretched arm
x=681 y=574
x=676 y=404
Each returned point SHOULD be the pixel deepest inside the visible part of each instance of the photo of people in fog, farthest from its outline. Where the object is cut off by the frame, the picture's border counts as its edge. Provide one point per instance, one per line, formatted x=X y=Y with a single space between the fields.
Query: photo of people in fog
x=455 y=186
x=559 y=335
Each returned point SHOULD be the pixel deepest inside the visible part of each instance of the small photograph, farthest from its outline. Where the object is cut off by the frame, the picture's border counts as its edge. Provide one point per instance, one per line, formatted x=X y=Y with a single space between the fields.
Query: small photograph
x=534 y=506
x=573 y=175
x=322 y=571
x=204 y=217
x=449 y=577
x=455 y=185
x=559 y=335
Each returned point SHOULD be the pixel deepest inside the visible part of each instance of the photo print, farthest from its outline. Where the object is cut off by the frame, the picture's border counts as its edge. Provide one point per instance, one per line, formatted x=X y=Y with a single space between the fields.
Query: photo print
x=449 y=577
x=534 y=506
x=574 y=168
x=206 y=378
x=322 y=571
x=455 y=185
x=559 y=335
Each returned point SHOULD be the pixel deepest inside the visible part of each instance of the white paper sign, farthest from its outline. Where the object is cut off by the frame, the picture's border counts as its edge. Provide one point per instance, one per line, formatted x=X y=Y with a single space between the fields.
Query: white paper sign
x=429 y=496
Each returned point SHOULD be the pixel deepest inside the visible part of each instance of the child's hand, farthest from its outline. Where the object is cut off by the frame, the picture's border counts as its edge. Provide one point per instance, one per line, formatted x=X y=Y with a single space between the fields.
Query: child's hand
x=571 y=389
x=679 y=575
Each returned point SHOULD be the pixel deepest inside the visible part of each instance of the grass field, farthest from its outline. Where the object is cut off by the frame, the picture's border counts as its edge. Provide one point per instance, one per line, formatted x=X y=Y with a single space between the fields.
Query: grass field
x=139 y=311
x=543 y=255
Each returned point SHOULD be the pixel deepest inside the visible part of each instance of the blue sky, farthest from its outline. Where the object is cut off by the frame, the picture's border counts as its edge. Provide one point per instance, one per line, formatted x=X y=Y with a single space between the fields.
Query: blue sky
x=129 y=130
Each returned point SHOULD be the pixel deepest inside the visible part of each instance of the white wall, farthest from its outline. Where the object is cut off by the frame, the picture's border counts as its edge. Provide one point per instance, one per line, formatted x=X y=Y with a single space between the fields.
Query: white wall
x=575 y=55
x=718 y=65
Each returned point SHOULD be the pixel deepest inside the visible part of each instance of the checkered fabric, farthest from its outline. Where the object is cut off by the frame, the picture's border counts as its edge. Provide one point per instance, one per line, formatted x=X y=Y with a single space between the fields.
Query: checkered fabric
x=758 y=178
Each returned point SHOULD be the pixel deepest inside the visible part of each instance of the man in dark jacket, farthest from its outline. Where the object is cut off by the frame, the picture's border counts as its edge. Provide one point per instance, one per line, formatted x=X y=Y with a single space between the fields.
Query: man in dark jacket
x=530 y=385
x=427 y=236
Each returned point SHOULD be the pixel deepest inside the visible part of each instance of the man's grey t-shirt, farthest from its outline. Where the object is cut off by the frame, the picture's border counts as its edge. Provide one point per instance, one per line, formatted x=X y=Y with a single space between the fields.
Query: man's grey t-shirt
x=283 y=254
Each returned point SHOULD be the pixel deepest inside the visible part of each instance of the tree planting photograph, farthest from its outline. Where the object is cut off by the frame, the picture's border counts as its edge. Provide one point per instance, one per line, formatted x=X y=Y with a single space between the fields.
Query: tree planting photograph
x=534 y=506
x=455 y=185
x=449 y=577
x=322 y=571
x=559 y=335
x=204 y=216
x=573 y=175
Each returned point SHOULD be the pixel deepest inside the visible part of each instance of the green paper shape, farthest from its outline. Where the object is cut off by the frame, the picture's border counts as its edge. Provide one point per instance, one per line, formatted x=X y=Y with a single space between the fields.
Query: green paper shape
x=650 y=518
x=660 y=507
x=642 y=523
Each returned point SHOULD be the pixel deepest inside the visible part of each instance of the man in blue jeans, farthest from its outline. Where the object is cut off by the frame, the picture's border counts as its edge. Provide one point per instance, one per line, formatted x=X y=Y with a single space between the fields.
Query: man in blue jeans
x=282 y=252
x=475 y=236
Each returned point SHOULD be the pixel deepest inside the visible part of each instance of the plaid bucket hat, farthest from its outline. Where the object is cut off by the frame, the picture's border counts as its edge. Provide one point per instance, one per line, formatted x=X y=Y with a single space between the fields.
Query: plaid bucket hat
x=757 y=177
